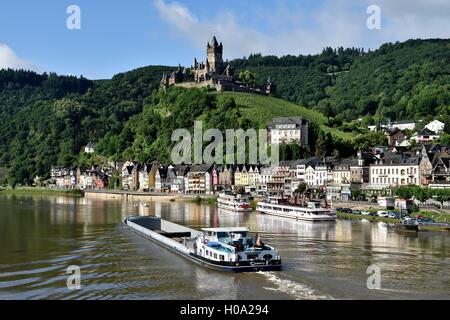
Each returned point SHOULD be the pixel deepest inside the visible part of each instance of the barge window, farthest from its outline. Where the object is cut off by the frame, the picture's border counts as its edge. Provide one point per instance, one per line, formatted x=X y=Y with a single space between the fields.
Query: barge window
x=222 y=257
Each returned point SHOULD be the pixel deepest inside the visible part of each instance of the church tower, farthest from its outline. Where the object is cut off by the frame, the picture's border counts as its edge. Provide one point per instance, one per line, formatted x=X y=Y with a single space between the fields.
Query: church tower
x=214 y=56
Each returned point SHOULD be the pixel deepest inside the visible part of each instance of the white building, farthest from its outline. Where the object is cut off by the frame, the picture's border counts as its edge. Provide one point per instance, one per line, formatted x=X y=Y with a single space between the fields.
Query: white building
x=395 y=170
x=402 y=125
x=425 y=136
x=265 y=175
x=289 y=130
x=320 y=176
x=310 y=175
x=436 y=126
x=90 y=148
x=299 y=170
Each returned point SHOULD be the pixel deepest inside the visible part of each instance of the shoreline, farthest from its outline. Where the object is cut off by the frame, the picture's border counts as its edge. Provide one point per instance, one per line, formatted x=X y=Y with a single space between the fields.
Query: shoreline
x=147 y=196
x=31 y=190
x=351 y=216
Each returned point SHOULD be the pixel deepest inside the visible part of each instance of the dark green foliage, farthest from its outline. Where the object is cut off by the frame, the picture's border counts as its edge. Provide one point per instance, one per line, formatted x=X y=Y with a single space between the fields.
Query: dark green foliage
x=47 y=119
x=423 y=194
x=401 y=80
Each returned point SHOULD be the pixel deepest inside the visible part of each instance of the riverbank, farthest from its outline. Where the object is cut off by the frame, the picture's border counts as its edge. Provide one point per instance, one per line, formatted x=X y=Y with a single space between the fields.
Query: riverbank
x=31 y=190
x=147 y=196
x=362 y=217
x=343 y=215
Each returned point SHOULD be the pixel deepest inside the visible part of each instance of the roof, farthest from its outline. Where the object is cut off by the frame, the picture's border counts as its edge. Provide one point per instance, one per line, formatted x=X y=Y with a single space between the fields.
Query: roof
x=235 y=229
x=426 y=132
x=298 y=121
x=163 y=171
x=182 y=170
x=393 y=159
x=393 y=131
x=404 y=122
x=90 y=145
x=201 y=168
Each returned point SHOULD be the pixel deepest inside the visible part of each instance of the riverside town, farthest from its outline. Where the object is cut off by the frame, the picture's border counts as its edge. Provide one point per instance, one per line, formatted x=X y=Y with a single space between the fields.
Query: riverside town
x=237 y=152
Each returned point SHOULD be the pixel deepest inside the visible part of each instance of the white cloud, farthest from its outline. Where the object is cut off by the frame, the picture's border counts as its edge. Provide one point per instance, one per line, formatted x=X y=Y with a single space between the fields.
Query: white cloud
x=406 y=19
x=9 y=59
x=289 y=29
x=225 y=27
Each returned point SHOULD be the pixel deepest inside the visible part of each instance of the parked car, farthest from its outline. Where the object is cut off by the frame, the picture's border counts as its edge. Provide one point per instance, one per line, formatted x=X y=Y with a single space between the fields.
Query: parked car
x=365 y=213
x=356 y=212
x=383 y=214
x=408 y=220
x=373 y=214
x=394 y=215
x=347 y=210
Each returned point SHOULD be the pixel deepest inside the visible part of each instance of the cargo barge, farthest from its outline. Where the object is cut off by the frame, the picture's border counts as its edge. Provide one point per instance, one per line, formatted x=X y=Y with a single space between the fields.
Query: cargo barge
x=221 y=249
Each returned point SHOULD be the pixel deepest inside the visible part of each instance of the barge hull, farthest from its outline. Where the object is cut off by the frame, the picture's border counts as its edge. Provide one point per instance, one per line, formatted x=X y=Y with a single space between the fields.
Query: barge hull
x=185 y=252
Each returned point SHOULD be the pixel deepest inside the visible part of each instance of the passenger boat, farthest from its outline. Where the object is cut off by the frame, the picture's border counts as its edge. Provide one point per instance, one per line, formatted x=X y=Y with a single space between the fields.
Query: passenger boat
x=222 y=249
x=312 y=211
x=233 y=202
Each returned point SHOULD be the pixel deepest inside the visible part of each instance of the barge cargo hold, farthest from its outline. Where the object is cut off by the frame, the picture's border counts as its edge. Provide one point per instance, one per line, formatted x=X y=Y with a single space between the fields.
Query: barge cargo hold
x=221 y=249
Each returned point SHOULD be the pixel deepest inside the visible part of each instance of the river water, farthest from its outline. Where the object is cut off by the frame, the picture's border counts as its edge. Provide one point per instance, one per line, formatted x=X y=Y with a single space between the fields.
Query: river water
x=41 y=236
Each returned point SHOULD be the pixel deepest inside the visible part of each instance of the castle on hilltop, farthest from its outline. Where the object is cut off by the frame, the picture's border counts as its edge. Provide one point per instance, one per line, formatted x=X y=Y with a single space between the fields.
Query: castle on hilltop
x=214 y=74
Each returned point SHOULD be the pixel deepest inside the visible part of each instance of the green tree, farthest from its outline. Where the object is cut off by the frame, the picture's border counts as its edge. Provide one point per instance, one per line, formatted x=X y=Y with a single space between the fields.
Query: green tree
x=248 y=77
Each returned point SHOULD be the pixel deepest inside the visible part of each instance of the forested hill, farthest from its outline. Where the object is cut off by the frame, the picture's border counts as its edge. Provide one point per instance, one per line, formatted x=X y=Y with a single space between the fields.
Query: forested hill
x=402 y=80
x=47 y=119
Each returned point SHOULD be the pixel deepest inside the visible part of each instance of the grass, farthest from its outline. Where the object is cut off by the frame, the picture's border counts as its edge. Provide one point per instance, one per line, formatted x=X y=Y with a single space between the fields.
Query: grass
x=362 y=217
x=262 y=109
x=31 y=190
x=438 y=217
x=208 y=200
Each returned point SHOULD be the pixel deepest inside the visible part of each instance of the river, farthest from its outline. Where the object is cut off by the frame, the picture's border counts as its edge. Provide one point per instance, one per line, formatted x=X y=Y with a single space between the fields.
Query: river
x=42 y=235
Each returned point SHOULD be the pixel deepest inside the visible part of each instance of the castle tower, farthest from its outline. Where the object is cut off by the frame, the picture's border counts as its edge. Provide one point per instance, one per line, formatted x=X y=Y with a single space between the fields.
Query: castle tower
x=214 y=56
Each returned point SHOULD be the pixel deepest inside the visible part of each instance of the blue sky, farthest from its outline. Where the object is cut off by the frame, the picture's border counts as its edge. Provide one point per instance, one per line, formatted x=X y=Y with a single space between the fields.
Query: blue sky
x=118 y=36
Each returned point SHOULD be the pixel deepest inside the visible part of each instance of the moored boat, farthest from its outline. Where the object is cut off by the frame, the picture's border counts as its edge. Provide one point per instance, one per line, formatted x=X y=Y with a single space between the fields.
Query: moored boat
x=222 y=249
x=310 y=212
x=233 y=202
x=407 y=226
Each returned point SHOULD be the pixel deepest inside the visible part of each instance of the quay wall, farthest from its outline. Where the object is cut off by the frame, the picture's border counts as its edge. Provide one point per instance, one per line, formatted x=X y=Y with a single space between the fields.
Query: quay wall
x=140 y=196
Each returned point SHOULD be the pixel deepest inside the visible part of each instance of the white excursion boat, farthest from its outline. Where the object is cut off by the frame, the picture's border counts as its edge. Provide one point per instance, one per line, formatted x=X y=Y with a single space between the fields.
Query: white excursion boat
x=311 y=212
x=223 y=249
x=232 y=202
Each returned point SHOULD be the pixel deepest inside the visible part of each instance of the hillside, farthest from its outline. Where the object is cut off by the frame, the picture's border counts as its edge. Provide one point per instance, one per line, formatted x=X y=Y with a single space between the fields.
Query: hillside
x=261 y=110
x=398 y=81
x=47 y=119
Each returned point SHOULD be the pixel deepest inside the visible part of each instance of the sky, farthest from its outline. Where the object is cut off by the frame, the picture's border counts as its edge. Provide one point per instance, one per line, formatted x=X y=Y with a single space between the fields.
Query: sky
x=117 y=36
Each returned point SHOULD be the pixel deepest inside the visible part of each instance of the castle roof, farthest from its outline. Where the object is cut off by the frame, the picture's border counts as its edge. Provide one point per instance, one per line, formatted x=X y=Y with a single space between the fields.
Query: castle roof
x=214 y=42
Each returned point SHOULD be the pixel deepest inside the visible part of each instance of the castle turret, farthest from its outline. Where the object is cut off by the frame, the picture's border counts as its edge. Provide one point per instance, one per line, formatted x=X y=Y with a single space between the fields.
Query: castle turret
x=214 y=56
x=165 y=80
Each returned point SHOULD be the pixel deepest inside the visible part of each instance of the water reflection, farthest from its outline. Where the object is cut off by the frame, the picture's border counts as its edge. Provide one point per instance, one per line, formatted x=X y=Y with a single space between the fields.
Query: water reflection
x=42 y=235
